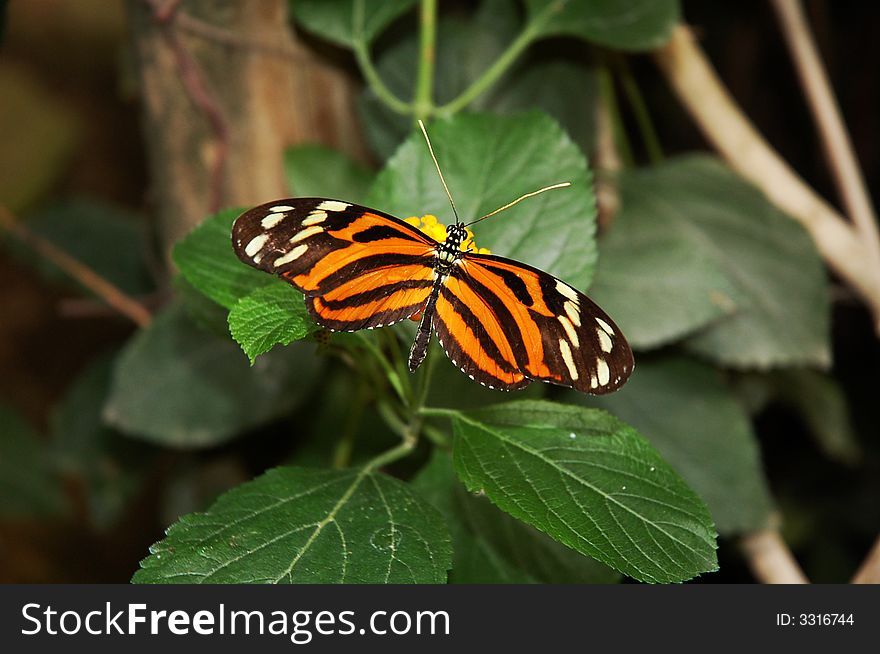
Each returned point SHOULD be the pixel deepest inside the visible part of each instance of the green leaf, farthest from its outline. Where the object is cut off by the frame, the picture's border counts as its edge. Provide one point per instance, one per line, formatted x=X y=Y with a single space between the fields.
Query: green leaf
x=319 y=171
x=623 y=24
x=775 y=278
x=657 y=274
x=490 y=547
x=28 y=484
x=180 y=386
x=299 y=525
x=700 y=429
x=489 y=161
x=334 y=19
x=589 y=481
x=108 y=239
x=272 y=315
x=110 y=468
x=536 y=84
x=207 y=261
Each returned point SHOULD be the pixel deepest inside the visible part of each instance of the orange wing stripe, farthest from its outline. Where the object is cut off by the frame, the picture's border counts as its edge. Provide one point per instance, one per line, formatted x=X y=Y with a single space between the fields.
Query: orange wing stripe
x=476 y=361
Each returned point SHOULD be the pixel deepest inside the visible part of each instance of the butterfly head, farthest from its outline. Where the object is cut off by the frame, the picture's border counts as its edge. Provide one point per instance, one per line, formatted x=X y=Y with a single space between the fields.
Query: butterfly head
x=456 y=234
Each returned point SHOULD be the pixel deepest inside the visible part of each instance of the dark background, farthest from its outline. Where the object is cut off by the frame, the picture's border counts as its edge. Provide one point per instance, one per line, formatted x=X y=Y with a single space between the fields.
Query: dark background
x=72 y=56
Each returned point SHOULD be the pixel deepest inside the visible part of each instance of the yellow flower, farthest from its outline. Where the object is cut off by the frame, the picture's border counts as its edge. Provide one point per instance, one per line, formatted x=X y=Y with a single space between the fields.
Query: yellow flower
x=437 y=230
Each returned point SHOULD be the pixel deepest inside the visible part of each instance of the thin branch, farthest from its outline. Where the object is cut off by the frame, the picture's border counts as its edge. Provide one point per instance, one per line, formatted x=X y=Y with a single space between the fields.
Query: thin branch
x=107 y=291
x=640 y=110
x=826 y=113
x=698 y=87
x=607 y=150
x=491 y=74
x=362 y=54
x=770 y=560
x=869 y=571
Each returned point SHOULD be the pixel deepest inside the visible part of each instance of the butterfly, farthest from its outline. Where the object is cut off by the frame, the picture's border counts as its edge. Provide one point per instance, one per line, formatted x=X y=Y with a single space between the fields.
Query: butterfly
x=501 y=322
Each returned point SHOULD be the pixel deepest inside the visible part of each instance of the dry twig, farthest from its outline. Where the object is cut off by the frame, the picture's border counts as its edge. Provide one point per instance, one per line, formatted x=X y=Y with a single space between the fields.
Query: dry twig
x=770 y=560
x=108 y=292
x=835 y=138
x=869 y=571
x=698 y=87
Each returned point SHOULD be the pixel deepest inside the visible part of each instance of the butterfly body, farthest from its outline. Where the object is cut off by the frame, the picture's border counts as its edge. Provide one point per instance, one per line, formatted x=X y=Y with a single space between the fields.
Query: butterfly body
x=501 y=322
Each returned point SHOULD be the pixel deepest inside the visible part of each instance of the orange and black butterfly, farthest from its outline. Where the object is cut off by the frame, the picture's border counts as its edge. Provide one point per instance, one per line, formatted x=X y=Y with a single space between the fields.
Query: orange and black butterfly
x=503 y=323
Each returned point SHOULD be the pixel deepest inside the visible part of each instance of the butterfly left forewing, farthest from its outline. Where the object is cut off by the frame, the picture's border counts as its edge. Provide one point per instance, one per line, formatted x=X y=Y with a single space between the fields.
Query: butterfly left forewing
x=359 y=268
x=558 y=334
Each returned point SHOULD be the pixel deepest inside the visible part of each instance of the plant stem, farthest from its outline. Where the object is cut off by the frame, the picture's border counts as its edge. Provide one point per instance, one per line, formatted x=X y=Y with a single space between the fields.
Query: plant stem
x=427 y=374
x=343 y=450
x=423 y=103
x=393 y=377
x=362 y=54
x=388 y=414
x=606 y=159
x=395 y=453
x=399 y=364
x=436 y=436
x=438 y=412
x=640 y=111
x=609 y=101
x=494 y=72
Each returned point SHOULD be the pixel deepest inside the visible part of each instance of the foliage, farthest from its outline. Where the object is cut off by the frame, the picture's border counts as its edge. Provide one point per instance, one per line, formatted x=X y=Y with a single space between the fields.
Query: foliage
x=298 y=525
x=392 y=477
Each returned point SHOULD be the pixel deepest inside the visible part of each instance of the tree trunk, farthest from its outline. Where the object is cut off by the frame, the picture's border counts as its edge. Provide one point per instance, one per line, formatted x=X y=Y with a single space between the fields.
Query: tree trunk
x=222 y=102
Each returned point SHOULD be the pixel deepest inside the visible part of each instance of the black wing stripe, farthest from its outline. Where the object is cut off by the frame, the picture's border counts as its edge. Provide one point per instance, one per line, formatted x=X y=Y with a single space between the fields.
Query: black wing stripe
x=486 y=342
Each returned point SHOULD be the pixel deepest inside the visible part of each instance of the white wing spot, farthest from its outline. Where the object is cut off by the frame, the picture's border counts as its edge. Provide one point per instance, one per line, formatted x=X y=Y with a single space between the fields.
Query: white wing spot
x=567 y=358
x=333 y=205
x=256 y=244
x=314 y=218
x=271 y=220
x=604 y=325
x=603 y=372
x=574 y=315
x=280 y=207
x=304 y=234
x=569 y=329
x=604 y=341
x=594 y=383
x=293 y=255
x=567 y=291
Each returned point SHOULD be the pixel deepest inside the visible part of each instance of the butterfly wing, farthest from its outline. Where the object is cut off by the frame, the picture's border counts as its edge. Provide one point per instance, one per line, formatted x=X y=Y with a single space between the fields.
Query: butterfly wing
x=358 y=268
x=527 y=322
x=474 y=337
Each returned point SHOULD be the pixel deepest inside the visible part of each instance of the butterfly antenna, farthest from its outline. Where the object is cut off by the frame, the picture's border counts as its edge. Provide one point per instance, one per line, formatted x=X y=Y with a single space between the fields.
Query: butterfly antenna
x=439 y=172
x=520 y=199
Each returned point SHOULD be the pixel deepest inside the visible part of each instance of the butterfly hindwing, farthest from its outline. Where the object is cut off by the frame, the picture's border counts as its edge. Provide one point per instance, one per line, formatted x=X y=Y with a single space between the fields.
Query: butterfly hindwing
x=554 y=332
x=474 y=337
x=359 y=268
